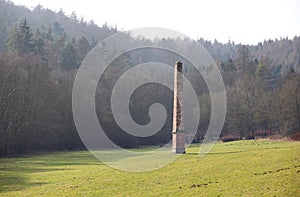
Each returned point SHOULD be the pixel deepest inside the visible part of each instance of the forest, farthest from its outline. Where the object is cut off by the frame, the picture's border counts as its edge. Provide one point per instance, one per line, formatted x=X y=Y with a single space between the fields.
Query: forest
x=41 y=51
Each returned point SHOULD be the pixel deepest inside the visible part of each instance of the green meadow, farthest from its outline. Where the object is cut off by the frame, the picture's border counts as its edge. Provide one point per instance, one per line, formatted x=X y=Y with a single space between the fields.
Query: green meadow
x=240 y=168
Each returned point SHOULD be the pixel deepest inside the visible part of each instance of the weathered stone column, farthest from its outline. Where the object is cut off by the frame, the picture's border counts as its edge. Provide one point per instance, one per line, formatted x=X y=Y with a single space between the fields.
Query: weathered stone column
x=178 y=136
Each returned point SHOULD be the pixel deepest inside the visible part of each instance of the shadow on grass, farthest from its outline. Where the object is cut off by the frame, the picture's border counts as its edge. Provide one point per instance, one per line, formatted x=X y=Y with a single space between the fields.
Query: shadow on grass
x=23 y=169
x=217 y=153
x=16 y=183
x=15 y=179
x=238 y=151
x=15 y=173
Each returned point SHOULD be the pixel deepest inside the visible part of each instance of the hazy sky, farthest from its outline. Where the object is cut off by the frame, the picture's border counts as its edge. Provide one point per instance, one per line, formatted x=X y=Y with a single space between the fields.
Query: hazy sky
x=245 y=21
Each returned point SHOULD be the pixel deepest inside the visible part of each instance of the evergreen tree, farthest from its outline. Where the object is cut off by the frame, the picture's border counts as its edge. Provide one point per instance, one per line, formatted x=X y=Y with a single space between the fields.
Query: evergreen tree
x=57 y=29
x=69 y=60
x=82 y=49
x=20 y=39
x=94 y=42
x=244 y=62
x=262 y=72
x=12 y=42
x=39 y=45
x=25 y=38
x=48 y=36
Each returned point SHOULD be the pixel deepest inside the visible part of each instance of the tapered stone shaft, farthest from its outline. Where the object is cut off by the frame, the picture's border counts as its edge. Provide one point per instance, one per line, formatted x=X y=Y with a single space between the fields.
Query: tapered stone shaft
x=178 y=135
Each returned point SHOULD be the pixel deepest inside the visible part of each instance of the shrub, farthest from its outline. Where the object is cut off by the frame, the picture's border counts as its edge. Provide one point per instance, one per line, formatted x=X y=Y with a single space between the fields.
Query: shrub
x=296 y=136
x=229 y=138
x=250 y=137
x=277 y=137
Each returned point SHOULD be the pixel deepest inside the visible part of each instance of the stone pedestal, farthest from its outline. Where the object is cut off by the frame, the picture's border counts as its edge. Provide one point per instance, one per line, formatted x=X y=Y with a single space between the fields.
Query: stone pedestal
x=178 y=135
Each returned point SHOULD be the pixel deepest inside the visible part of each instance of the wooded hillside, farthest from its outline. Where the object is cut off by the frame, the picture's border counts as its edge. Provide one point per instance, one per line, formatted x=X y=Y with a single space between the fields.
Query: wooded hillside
x=40 y=52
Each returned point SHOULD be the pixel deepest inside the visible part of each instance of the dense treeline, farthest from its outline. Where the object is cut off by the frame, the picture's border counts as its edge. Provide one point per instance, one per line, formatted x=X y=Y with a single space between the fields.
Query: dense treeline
x=259 y=99
x=41 y=51
x=48 y=21
x=37 y=72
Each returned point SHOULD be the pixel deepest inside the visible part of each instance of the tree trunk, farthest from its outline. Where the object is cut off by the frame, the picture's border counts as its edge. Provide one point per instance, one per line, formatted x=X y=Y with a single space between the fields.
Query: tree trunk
x=270 y=129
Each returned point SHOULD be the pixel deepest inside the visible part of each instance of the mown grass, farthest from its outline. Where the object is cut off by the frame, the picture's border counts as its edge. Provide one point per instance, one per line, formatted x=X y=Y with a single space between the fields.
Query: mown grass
x=241 y=168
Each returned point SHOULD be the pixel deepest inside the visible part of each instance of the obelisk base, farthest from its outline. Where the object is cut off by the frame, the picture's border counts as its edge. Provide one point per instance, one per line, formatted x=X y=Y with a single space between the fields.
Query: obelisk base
x=178 y=145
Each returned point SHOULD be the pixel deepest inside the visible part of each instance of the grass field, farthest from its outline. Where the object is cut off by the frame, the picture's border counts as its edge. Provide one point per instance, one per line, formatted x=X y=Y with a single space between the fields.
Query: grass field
x=241 y=168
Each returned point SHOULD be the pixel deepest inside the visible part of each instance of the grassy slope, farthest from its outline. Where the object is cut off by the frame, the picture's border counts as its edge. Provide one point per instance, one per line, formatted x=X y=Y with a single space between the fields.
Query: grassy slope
x=243 y=168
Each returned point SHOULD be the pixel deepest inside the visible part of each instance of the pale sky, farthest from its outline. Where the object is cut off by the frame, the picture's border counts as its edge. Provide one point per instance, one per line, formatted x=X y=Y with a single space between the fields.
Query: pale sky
x=245 y=21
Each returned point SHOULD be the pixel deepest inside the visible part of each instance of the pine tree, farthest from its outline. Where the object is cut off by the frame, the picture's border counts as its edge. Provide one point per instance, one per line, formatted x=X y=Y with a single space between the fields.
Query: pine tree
x=94 y=42
x=57 y=29
x=39 y=45
x=48 y=36
x=262 y=72
x=69 y=60
x=25 y=38
x=12 y=42
x=82 y=49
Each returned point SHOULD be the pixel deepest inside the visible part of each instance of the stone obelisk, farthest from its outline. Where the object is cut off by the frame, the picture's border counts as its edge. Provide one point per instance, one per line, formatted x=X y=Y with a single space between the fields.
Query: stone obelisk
x=178 y=136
